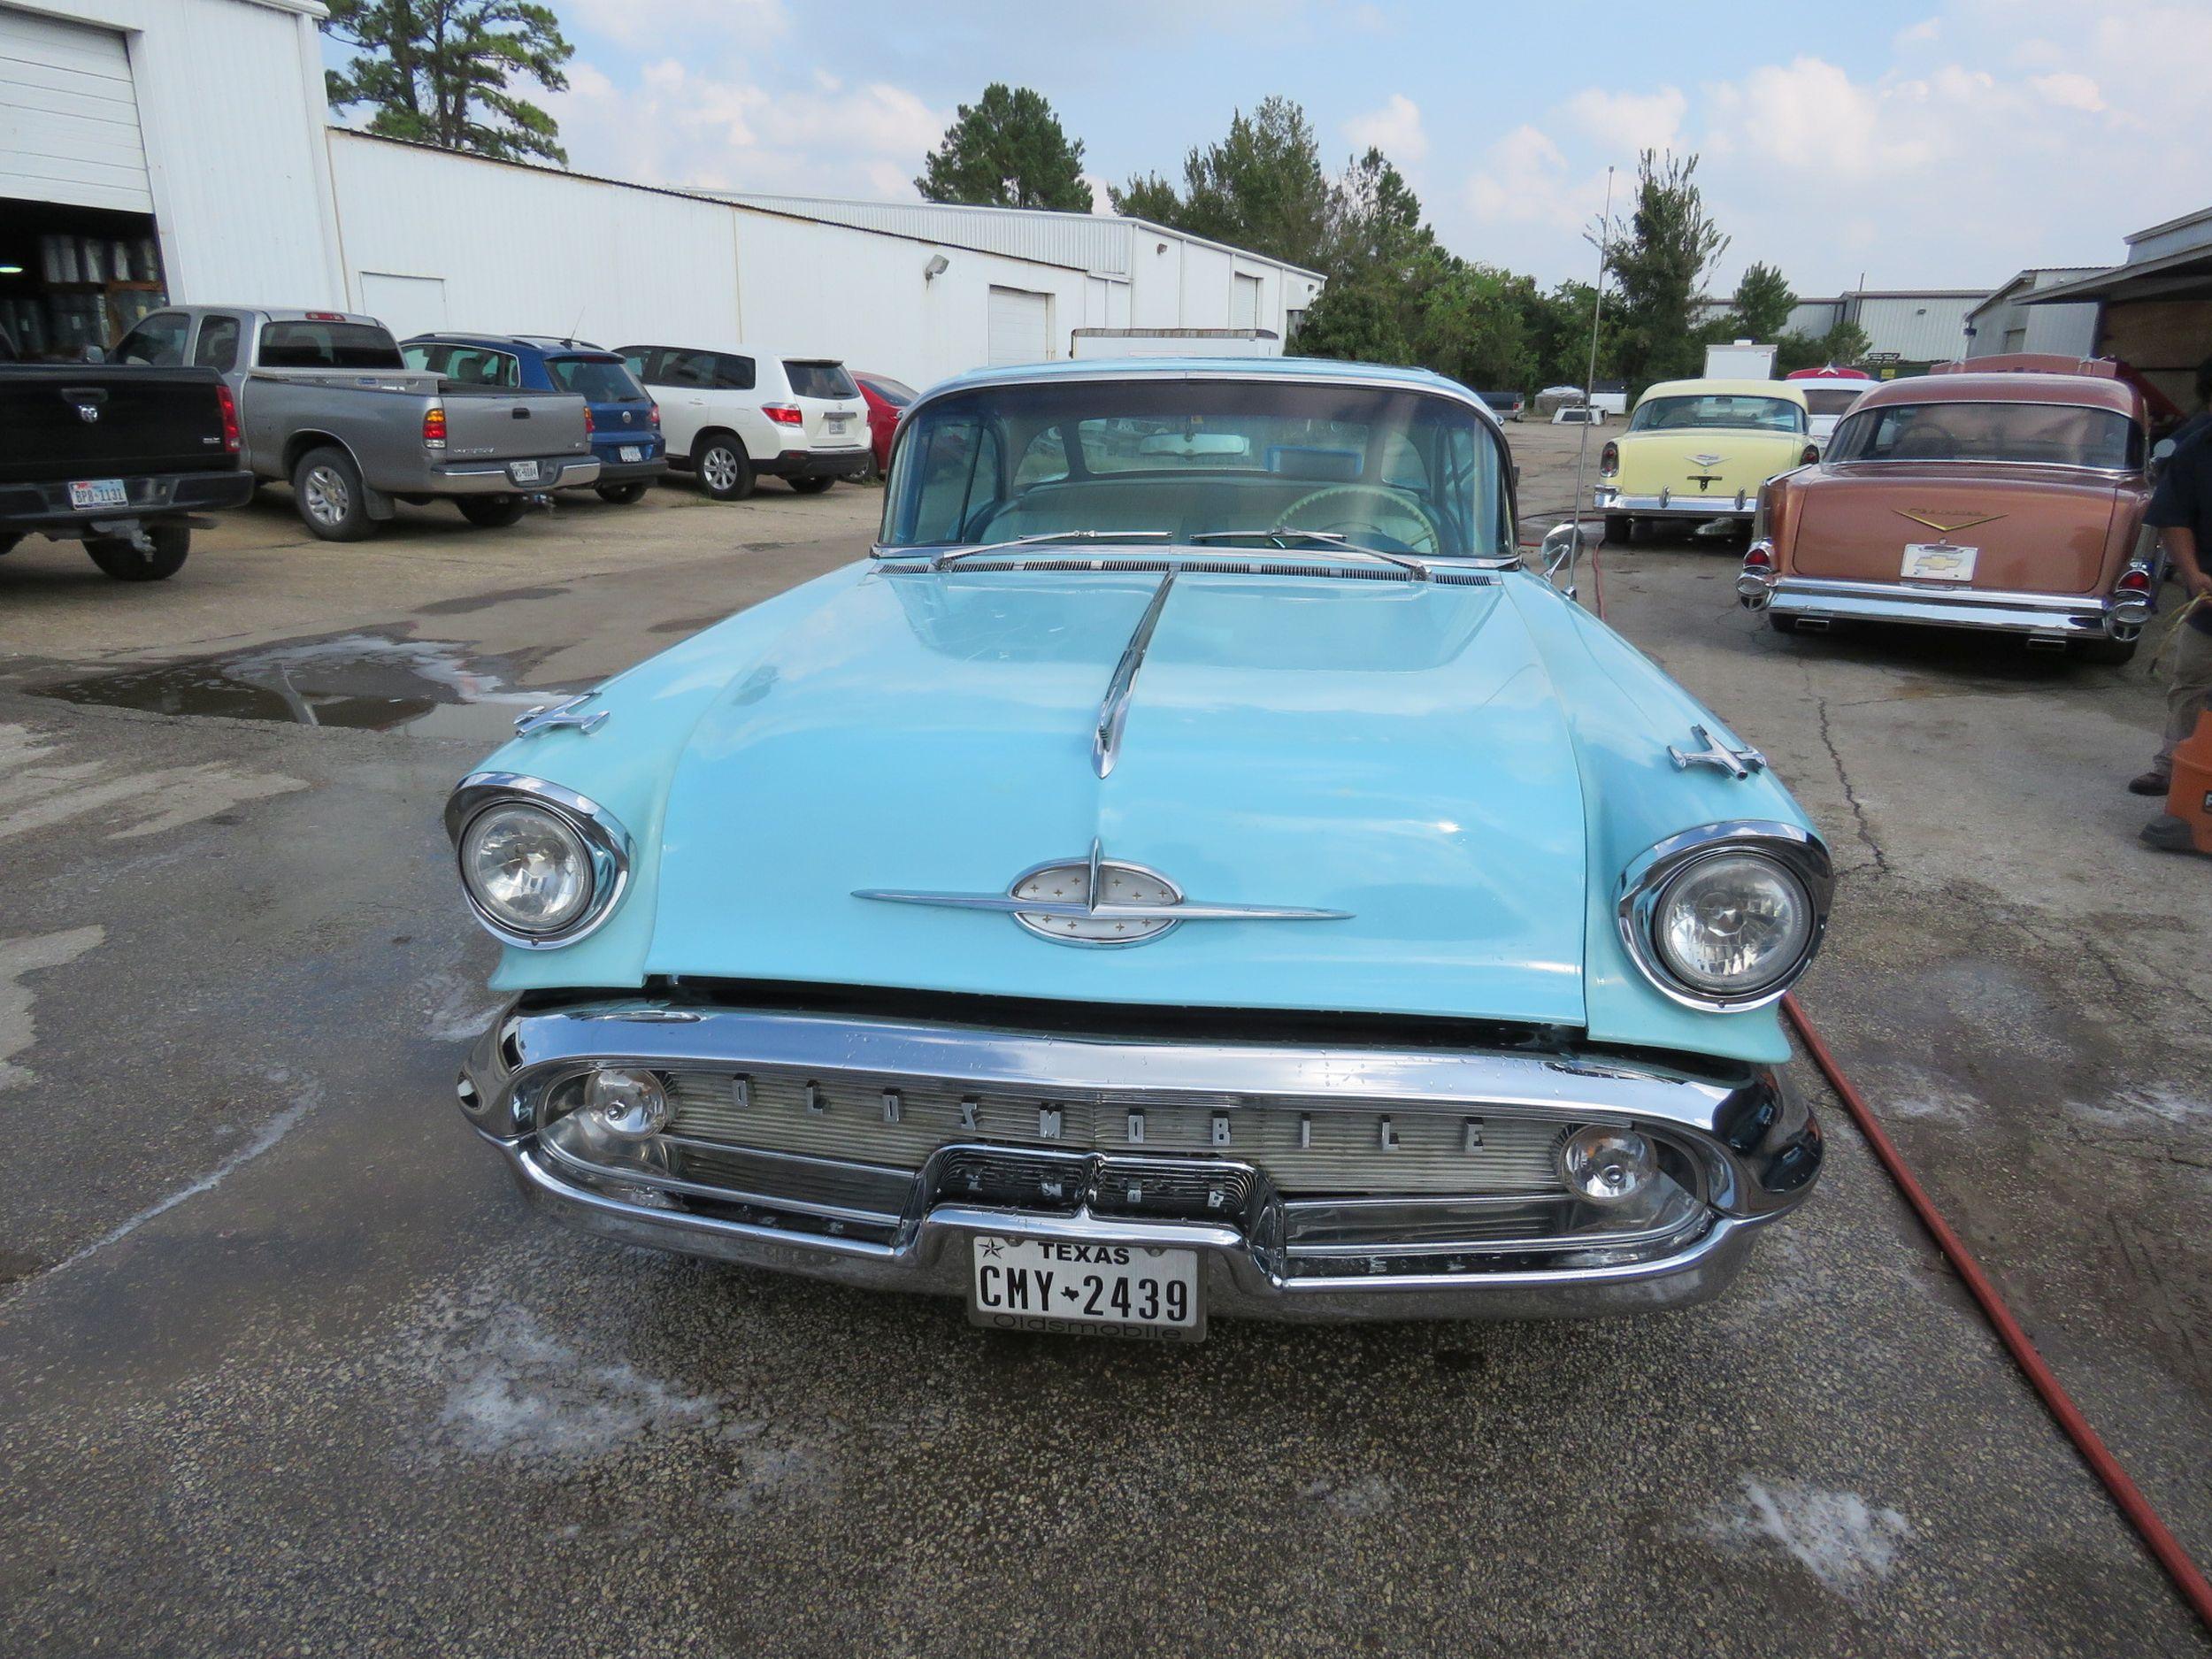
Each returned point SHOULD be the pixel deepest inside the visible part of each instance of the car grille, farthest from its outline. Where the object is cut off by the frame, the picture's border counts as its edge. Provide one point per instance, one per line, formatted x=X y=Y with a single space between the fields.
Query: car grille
x=1304 y=1148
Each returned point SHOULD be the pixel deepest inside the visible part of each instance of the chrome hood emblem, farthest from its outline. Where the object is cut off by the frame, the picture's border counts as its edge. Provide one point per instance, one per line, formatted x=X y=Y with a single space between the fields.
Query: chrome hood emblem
x=1099 y=901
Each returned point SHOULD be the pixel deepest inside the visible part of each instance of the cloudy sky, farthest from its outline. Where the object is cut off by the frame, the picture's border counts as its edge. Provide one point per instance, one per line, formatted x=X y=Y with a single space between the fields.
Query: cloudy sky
x=1920 y=142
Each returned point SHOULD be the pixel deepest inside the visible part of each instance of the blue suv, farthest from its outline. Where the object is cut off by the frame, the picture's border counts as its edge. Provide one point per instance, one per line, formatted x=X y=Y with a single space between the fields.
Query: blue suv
x=625 y=421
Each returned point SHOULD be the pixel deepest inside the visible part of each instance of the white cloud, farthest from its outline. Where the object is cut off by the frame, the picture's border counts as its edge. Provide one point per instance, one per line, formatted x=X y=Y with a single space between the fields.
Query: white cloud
x=636 y=24
x=2075 y=92
x=1918 y=33
x=1628 y=122
x=1521 y=180
x=680 y=125
x=1394 y=129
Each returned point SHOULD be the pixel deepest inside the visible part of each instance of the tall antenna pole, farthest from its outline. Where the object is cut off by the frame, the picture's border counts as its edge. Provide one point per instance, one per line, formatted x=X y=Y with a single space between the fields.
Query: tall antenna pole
x=1589 y=380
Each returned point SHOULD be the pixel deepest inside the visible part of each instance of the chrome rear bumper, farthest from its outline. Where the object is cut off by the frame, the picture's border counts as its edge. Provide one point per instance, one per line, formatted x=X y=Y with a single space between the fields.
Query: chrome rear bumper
x=1667 y=504
x=1744 y=1148
x=2062 y=615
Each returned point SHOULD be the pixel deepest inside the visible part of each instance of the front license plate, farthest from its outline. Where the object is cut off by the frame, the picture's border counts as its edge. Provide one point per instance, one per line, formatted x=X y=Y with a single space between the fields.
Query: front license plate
x=1938 y=562
x=99 y=492
x=523 y=471
x=631 y=452
x=1086 y=1289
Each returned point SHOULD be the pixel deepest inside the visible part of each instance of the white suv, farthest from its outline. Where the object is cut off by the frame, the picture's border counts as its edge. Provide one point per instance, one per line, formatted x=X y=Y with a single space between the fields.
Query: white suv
x=732 y=416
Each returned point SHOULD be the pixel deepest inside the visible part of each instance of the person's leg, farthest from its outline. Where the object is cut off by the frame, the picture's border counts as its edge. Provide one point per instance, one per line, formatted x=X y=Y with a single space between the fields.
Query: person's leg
x=2187 y=692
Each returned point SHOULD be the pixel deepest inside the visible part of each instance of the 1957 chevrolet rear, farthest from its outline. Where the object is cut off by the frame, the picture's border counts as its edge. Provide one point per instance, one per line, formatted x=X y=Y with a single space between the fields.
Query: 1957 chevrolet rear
x=1192 y=867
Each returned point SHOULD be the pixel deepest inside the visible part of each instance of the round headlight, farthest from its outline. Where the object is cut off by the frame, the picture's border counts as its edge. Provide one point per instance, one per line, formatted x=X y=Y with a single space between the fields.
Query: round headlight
x=1733 y=924
x=528 y=868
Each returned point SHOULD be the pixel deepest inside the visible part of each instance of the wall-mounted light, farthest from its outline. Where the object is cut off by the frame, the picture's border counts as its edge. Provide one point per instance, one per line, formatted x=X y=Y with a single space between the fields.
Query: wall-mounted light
x=937 y=266
x=11 y=270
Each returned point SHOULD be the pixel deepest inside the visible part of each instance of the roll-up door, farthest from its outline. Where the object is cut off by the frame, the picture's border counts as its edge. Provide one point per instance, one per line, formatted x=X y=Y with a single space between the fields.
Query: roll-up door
x=1020 y=326
x=69 y=116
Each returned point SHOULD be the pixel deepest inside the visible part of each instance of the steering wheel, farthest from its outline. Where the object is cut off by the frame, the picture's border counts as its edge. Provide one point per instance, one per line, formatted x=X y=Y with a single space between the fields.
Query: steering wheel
x=1332 y=510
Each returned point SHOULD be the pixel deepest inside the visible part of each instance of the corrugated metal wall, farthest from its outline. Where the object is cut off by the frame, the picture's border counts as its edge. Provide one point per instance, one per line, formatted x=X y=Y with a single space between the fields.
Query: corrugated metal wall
x=1918 y=327
x=1087 y=244
x=231 y=113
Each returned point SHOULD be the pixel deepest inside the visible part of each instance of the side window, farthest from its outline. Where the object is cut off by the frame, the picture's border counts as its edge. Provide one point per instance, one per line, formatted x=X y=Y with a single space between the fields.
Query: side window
x=733 y=374
x=159 y=341
x=687 y=368
x=218 y=345
x=431 y=358
x=641 y=363
x=957 y=476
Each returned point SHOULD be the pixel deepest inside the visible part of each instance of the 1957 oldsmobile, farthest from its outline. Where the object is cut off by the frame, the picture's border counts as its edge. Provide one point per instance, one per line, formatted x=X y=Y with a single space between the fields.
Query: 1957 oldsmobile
x=1192 y=867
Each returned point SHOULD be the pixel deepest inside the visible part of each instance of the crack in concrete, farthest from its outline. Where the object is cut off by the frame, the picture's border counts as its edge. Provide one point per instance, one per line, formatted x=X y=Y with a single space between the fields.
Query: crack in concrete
x=1843 y=776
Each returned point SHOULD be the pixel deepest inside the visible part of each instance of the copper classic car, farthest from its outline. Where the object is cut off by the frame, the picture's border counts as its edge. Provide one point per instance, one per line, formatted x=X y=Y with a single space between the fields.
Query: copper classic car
x=2008 y=502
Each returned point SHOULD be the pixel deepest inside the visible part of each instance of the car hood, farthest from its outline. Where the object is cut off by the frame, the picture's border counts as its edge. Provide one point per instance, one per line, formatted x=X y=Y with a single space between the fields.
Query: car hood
x=1391 y=750
x=1704 y=461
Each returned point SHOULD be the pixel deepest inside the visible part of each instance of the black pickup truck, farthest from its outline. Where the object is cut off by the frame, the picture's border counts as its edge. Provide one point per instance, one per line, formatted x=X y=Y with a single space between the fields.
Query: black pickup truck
x=117 y=457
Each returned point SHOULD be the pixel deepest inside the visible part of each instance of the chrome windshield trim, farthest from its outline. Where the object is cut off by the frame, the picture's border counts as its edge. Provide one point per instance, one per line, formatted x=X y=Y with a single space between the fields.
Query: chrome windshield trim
x=1114 y=711
x=1181 y=555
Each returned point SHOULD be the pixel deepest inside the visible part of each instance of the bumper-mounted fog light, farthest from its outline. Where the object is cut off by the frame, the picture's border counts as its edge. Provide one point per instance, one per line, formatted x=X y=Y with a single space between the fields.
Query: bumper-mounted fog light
x=624 y=1105
x=1606 y=1165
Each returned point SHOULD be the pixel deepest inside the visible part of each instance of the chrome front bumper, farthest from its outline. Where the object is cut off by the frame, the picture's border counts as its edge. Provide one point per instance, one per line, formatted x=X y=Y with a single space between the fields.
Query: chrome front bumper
x=2049 y=616
x=1744 y=1143
x=1667 y=504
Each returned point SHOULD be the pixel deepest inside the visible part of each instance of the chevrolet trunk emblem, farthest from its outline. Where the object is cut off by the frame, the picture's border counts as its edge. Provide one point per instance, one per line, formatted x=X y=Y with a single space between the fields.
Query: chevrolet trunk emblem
x=1947 y=526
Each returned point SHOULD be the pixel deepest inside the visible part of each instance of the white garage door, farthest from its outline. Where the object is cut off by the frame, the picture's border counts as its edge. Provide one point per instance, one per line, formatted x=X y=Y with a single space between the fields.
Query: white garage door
x=404 y=304
x=68 y=116
x=1020 y=326
x=1244 y=302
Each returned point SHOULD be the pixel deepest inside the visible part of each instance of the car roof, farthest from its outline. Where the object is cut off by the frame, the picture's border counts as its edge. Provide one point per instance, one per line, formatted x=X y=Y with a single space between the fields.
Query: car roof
x=2083 y=391
x=1786 y=391
x=1316 y=370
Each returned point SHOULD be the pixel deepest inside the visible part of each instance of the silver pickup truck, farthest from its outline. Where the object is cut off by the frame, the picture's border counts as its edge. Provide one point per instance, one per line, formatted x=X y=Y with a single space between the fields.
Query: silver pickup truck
x=326 y=403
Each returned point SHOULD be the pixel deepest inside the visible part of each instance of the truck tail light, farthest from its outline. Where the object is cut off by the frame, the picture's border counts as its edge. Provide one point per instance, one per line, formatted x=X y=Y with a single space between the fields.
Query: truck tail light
x=783 y=414
x=434 y=426
x=325 y=317
x=590 y=426
x=1608 y=459
x=230 y=416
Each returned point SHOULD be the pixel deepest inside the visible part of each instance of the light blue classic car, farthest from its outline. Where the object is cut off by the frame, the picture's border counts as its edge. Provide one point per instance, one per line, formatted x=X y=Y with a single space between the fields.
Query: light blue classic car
x=1194 y=866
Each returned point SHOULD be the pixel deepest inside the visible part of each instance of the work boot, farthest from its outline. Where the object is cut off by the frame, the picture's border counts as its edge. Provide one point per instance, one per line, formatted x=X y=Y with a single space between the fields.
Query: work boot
x=2168 y=834
x=2152 y=782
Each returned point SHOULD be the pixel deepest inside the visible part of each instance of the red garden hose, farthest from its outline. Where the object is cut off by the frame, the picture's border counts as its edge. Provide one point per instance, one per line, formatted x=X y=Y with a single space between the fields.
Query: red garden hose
x=2125 y=1493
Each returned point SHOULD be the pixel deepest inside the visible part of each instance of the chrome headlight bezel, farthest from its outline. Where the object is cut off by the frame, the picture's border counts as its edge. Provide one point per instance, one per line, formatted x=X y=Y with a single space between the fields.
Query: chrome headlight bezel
x=1796 y=851
x=606 y=843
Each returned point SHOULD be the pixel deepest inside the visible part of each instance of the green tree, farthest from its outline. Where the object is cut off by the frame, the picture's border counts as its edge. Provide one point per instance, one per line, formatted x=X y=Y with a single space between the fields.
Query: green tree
x=1261 y=186
x=1356 y=318
x=438 y=72
x=1559 y=335
x=1474 y=325
x=1659 y=256
x=1761 y=304
x=1843 y=346
x=1007 y=149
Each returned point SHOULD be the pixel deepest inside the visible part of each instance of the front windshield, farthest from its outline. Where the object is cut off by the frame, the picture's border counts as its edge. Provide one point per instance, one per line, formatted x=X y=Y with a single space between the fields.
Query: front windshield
x=1224 y=464
x=2046 y=434
x=1719 y=409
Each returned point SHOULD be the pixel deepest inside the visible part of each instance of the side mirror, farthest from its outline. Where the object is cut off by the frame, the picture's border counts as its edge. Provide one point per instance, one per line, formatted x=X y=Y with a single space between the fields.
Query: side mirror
x=93 y=354
x=1562 y=546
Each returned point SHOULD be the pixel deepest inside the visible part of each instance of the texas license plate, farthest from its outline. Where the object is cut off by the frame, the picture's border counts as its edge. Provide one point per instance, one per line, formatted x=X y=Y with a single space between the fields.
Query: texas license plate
x=99 y=492
x=1938 y=562
x=631 y=452
x=1086 y=1289
x=836 y=423
x=523 y=471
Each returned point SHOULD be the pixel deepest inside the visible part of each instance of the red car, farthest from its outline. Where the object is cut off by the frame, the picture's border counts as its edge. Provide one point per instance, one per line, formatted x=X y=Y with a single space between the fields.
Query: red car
x=885 y=398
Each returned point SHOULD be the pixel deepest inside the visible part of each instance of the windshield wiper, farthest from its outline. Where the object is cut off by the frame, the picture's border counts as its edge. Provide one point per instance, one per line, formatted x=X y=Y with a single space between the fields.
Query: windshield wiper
x=1334 y=541
x=1044 y=538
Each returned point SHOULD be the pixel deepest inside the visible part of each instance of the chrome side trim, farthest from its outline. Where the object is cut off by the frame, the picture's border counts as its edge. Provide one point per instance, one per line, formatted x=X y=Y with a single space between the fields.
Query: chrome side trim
x=612 y=851
x=1114 y=711
x=1797 y=849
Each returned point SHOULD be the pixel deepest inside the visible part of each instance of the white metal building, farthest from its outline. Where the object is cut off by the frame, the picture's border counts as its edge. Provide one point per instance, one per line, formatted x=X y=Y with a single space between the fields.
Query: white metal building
x=2005 y=323
x=179 y=150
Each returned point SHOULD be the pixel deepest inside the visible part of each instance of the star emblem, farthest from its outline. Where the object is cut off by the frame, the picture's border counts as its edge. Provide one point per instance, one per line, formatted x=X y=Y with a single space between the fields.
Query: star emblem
x=993 y=1246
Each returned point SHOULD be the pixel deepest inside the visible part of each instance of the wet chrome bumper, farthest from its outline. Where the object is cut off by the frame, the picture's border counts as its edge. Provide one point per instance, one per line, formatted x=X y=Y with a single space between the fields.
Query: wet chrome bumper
x=2063 y=616
x=1756 y=1150
x=1667 y=504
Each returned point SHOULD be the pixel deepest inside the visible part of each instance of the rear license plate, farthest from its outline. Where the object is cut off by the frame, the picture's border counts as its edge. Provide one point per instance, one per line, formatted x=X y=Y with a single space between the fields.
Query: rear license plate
x=836 y=423
x=99 y=492
x=1086 y=1289
x=631 y=452
x=1938 y=562
x=523 y=471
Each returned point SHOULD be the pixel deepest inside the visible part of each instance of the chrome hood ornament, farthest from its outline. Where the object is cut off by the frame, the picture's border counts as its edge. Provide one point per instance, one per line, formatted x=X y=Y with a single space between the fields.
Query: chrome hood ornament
x=1099 y=901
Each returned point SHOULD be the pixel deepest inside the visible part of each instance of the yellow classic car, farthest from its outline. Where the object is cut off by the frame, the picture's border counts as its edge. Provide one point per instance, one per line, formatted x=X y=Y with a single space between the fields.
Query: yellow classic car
x=1696 y=451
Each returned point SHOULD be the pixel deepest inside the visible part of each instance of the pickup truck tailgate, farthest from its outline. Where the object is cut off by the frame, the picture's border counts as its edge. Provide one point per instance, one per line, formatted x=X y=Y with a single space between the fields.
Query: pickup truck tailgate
x=503 y=425
x=88 y=420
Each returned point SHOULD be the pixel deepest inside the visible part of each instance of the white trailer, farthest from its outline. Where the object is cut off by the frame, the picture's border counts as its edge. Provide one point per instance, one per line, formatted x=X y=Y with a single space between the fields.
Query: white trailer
x=1739 y=360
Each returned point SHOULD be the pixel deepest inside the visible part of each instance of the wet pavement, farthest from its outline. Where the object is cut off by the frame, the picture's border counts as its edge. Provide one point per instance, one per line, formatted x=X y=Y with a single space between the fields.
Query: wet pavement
x=287 y=1369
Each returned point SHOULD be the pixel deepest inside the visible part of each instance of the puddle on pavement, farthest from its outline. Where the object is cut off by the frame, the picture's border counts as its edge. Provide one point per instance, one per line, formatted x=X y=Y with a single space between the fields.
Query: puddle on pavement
x=367 y=681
